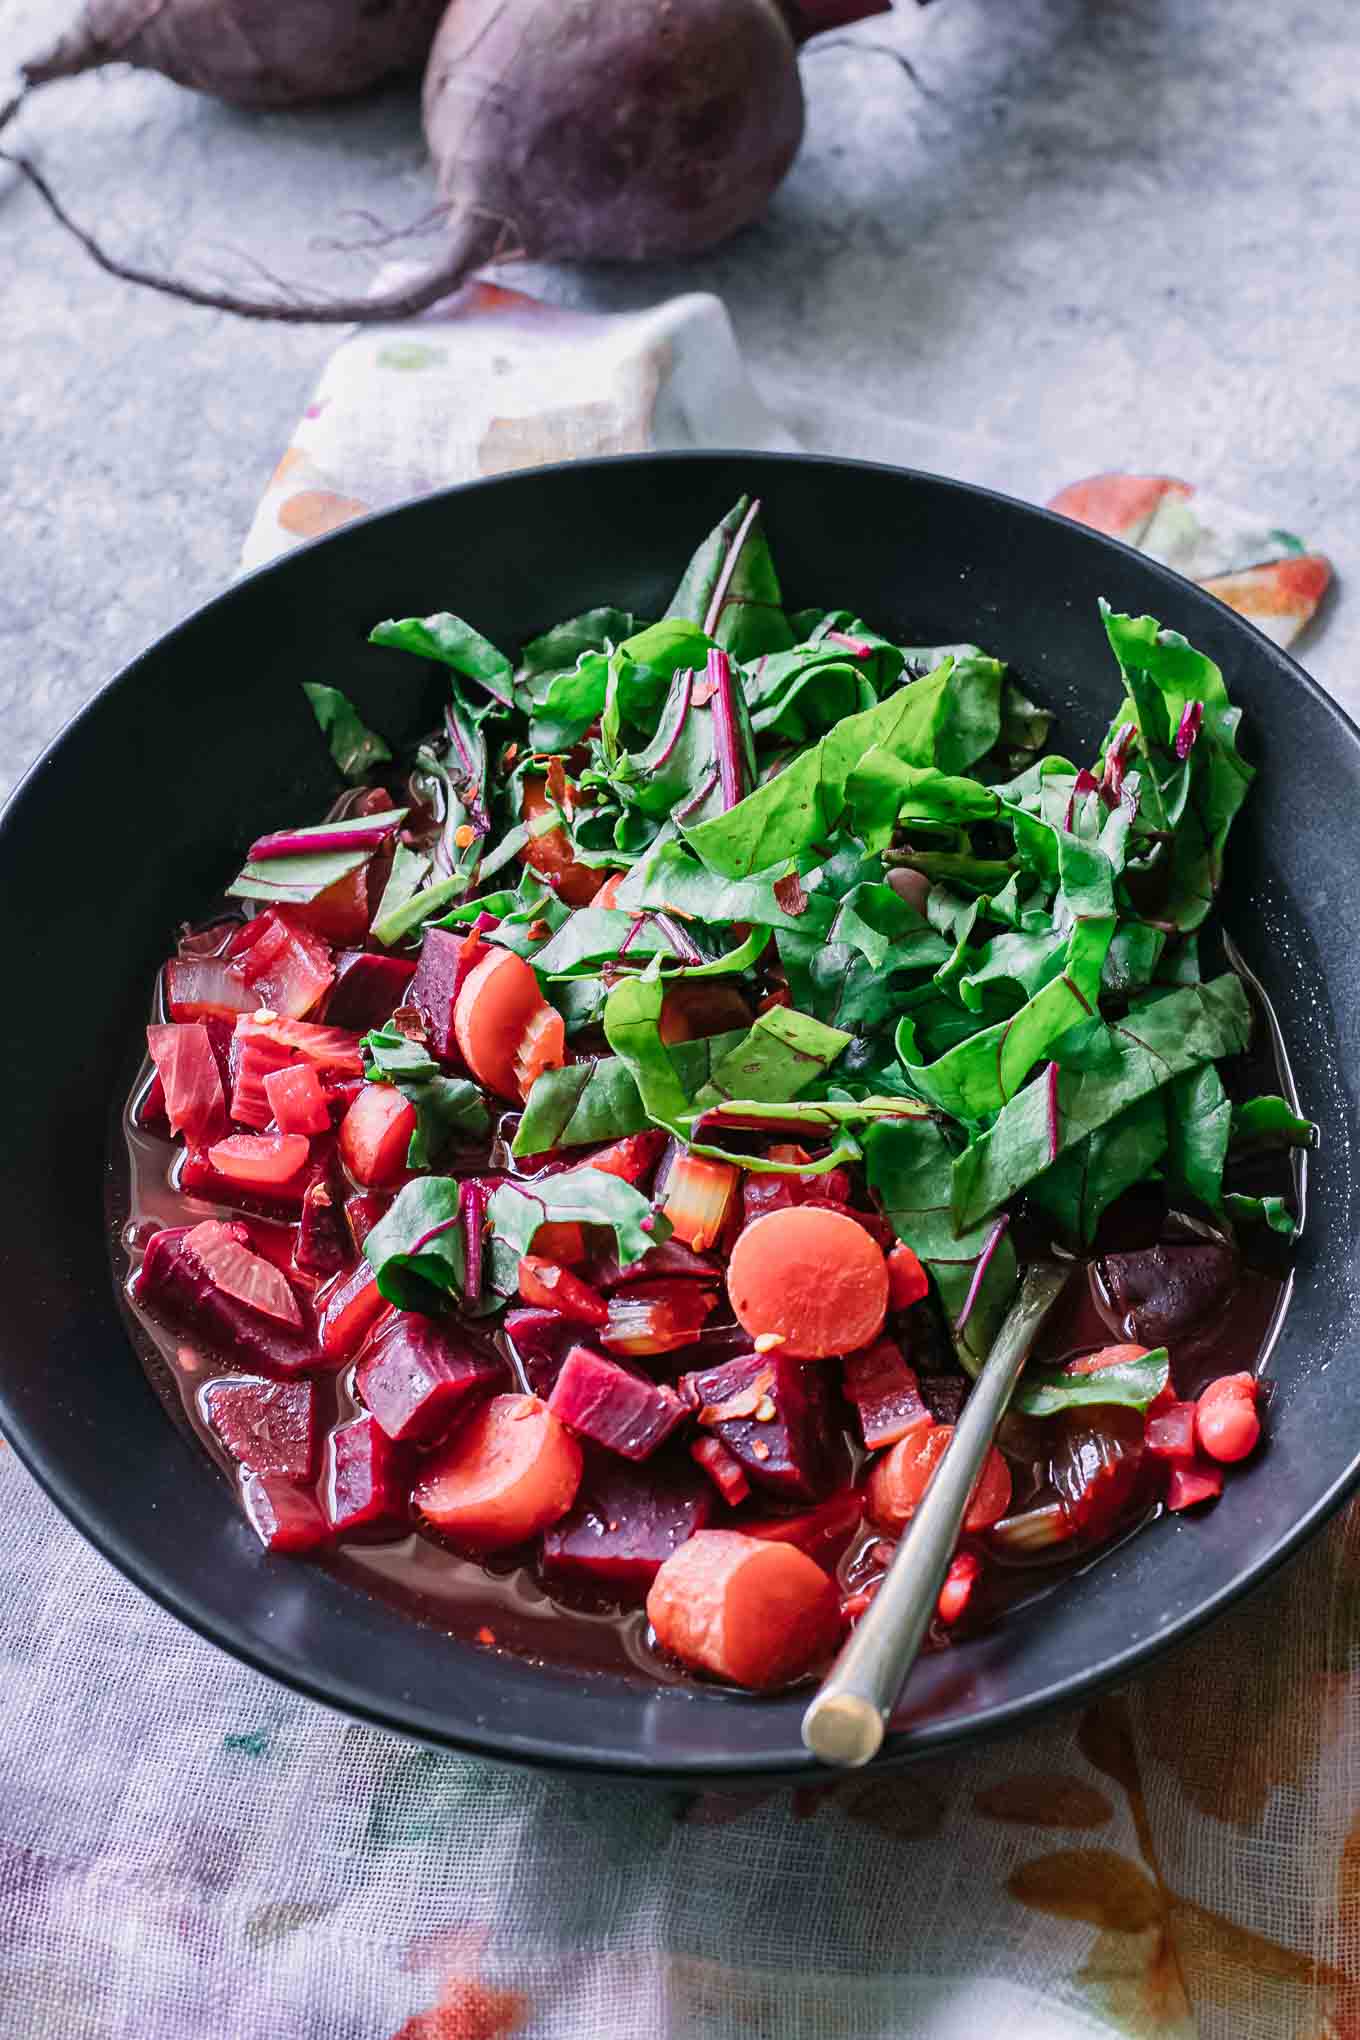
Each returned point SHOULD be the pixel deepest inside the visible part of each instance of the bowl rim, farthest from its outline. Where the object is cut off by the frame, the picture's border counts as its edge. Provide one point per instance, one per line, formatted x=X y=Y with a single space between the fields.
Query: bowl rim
x=542 y=1751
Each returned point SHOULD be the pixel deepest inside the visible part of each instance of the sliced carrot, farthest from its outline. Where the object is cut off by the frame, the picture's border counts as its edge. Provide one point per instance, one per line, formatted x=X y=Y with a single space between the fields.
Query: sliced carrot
x=757 y=1613
x=1230 y=1387
x=505 y=1475
x=551 y=856
x=899 y=1481
x=1107 y=1356
x=690 y=1010
x=813 y=1278
x=497 y=1002
x=375 y=1134
x=542 y=1047
x=1228 y=1428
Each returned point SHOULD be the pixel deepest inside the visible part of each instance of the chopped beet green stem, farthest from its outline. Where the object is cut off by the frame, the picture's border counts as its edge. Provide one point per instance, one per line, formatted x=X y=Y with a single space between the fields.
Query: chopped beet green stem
x=681 y=717
x=855 y=645
x=312 y=842
x=1113 y=780
x=1192 y=717
x=639 y=923
x=684 y=945
x=1052 y=1082
x=719 y=597
x=983 y=1263
x=472 y=1207
x=699 y=796
x=1084 y=783
x=726 y=737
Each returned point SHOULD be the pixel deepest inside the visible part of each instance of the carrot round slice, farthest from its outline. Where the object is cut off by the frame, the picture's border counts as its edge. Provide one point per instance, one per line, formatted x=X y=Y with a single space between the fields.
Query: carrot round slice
x=497 y=1005
x=507 y=1473
x=375 y=1135
x=813 y=1278
x=901 y=1477
x=757 y=1613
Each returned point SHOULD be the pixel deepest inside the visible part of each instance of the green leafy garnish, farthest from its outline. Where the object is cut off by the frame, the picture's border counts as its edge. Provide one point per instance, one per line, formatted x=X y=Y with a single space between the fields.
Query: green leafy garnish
x=1046 y=1391
x=355 y=748
x=446 y=1107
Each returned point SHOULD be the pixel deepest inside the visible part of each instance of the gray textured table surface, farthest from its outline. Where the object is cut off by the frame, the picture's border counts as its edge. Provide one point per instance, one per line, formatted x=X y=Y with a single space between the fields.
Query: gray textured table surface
x=1130 y=227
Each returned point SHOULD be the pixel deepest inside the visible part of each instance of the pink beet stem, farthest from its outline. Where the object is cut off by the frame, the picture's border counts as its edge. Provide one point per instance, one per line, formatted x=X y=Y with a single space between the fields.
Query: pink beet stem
x=312 y=842
x=856 y=645
x=1084 y=783
x=983 y=1263
x=681 y=717
x=726 y=740
x=474 y=1219
x=1191 y=721
x=1052 y=1082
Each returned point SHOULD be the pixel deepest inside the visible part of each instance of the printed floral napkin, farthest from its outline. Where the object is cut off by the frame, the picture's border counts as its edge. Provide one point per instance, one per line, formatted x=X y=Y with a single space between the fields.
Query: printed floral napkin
x=188 y=1850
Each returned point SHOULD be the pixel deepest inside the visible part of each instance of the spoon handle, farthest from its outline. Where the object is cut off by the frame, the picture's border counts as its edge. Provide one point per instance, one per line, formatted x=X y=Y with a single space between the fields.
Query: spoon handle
x=846 y=1718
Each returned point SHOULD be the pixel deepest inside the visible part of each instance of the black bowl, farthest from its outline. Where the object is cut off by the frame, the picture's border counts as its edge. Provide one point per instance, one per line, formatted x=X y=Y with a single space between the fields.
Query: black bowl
x=135 y=819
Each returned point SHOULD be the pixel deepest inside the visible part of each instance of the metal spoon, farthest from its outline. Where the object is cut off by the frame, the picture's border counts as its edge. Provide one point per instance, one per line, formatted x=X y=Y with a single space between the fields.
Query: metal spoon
x=847 y=1717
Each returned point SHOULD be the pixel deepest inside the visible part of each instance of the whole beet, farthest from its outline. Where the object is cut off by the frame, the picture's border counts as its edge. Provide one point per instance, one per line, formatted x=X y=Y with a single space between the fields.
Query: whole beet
x=251 y=52
x=596 y=130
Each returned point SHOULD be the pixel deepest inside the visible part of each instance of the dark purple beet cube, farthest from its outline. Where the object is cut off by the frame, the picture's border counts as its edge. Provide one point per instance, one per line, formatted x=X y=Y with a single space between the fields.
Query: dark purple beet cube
x=885 y=1392
x=624 y=1412
x=540 y=1341
x=322 y=1245
x=434 y=989
x=1163 y=1292
x=774 y=1415
x=944 y=1395
x=175 y=1284
x=417 y=1377
x=368 y=989
x=269 y=1426
x=284 y=1516
x=360 y=1481
x=625 y=1524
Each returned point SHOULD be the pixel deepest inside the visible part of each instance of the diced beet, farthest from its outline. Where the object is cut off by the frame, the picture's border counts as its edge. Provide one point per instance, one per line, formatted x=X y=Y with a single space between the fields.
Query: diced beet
x=203 y=988
x=434 y=989
x=722 y=1469
x=1189 y=1485
x=765 y=1193
x=886 y=1393
x=1163 y=1292
x=333 y=1052
x=323 y=1243
x=252 y=1060
x=266 y=1164
x=197 y=1177
x=1097 y=1460
x=944 y=1395
x=368 y=989
x=656 y=1317
x=631 y=1159
x=603 y=1402
x=284 y=1516
x=362 y=1213
x=375 y=1136
x=340 y=913
x=269 y=1426
x=822 y=1533
x=297 y=1100
x=774 y=1415
x=191 y=1084
x=151 y=1111
x=287 y=968
x=541 y=1341
x=360 y=1483
x=1170 y=1434
x=672 y=1257
x=625 y=1524
x=417 y=1376
x=235 y=1266
x=349 y=1309
x=175 y=1284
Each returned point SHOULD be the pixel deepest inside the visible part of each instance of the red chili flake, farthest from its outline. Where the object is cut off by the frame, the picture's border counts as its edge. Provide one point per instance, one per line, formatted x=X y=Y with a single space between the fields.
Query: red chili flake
x=558 y=789
x=789 y=894
x=485 y=1635
x=704 y=691
x=508 y=756
x=538 y=931
x=465 y=836
x=407 y=1020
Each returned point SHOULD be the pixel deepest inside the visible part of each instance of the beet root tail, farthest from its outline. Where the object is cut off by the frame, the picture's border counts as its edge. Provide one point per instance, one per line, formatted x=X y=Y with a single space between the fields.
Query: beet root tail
x=476 y=239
